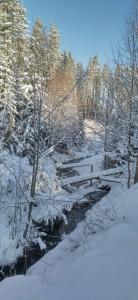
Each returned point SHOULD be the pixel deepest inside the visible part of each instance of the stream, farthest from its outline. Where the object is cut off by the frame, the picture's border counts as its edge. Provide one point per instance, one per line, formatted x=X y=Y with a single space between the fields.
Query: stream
x=53 y=235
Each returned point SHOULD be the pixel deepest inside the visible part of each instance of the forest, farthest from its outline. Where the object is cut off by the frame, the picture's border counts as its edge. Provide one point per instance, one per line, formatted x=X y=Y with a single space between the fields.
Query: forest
x=68 y=163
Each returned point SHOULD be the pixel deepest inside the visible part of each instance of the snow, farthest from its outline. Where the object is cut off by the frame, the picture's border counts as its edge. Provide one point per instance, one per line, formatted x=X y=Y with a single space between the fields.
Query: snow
x=51 y=199
x=100 y=266
x=91 y=176
x=99 y=259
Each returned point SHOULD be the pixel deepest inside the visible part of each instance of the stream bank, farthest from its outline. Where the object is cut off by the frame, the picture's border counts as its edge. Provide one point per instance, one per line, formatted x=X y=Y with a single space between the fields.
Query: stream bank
x=53 y=235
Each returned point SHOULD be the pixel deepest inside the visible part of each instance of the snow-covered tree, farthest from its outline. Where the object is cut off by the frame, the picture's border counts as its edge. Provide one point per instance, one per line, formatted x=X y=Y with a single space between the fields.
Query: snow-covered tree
x=92 y=88
x=14 y=63
x=125 y=93
x=7 y=98
x=53 y=51
x=20 y=45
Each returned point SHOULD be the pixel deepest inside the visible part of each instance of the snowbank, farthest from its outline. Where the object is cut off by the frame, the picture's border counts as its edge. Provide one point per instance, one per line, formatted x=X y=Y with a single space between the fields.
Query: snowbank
x=102 y=267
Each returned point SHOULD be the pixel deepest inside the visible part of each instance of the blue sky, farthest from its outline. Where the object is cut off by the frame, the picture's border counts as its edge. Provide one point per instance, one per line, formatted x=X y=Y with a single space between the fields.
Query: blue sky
x=87 y=27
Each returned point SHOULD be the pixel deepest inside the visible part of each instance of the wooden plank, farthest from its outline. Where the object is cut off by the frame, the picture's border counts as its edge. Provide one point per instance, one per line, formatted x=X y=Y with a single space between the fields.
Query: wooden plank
x=69 y=166
x=90 y=176
x=110 y=179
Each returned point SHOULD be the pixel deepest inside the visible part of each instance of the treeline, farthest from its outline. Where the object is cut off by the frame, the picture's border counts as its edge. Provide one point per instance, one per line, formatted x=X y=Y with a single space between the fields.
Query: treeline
x=35 y=77
x=45 y=95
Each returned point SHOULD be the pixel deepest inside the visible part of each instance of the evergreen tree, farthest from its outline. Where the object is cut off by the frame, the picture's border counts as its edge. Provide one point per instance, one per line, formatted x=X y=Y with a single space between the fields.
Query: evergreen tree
x=92 y=88
x=80 y=79
x=7 y=98
x=20 y=45
x=53 y=51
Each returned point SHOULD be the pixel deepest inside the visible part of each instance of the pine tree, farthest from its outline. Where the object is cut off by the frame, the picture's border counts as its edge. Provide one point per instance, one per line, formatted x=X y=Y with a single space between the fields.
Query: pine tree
x=20 y=45
x=92 y=88
x=39 y=48
x=7 y=99
x=53 y=51
x=107 y=105
x=80 y=79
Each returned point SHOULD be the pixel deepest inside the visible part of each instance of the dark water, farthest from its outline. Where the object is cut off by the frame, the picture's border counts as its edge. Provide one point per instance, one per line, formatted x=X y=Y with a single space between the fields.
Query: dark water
x=53 y=235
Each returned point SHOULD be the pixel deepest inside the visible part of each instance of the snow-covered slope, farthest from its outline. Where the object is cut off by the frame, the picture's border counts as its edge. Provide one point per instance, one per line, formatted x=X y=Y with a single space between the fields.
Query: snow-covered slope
x=100 y=266
x=51 y=199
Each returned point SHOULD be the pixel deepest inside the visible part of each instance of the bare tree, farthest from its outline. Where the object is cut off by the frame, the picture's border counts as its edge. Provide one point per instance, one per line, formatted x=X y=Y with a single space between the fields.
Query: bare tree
x=125 y=91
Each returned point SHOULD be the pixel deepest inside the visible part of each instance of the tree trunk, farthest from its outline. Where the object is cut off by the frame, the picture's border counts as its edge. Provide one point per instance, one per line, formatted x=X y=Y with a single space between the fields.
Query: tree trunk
x=106 y=131
x=136 y=172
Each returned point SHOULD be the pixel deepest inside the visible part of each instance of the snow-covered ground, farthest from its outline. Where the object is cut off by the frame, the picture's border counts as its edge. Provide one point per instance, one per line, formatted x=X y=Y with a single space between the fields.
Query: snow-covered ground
x=51 y=199
x=100 y=266
x=99 y=259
